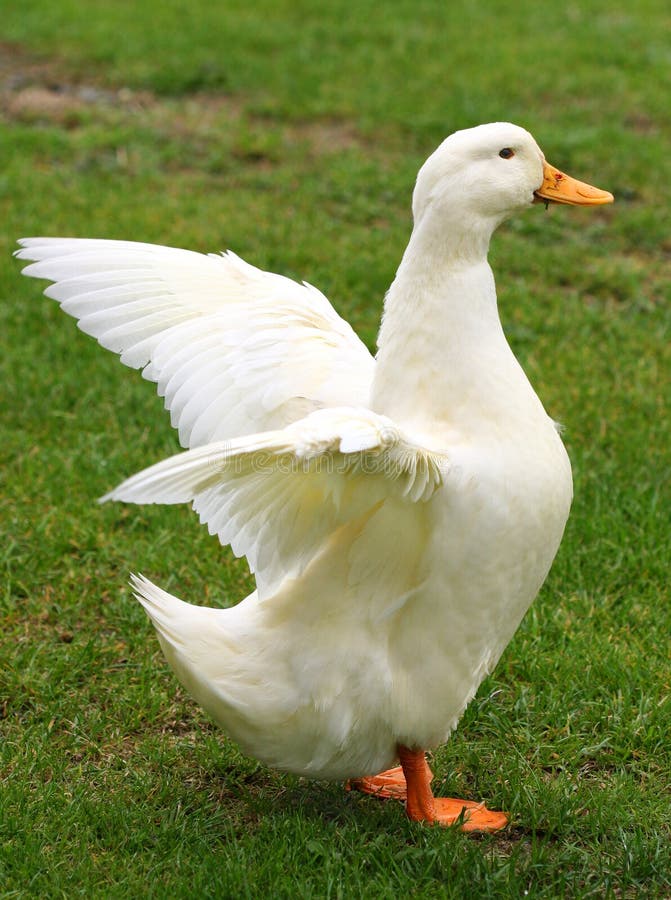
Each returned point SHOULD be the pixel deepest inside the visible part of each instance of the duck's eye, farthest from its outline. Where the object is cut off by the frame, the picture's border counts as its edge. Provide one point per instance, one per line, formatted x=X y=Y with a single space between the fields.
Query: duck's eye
x=506 y=153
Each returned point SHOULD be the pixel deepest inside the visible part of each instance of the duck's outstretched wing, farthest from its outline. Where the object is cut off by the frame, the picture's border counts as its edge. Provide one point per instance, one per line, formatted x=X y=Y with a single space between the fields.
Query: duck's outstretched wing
x=233 y=349
x=278 y=497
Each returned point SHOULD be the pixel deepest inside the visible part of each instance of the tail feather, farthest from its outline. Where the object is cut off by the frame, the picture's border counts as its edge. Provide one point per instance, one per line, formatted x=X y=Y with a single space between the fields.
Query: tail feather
x=161 y=607
x=200 y=645
x=195 y=632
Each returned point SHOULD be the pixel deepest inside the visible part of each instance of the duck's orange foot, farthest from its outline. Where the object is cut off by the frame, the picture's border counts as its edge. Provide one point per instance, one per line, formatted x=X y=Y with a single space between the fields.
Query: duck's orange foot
x=422 y=806
x=410 y=782
x=388 y=785
x=471 y=816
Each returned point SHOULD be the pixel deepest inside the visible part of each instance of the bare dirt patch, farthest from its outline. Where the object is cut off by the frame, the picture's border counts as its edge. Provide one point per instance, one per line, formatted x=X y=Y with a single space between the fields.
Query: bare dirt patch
x=35 y=89
x=42 y=91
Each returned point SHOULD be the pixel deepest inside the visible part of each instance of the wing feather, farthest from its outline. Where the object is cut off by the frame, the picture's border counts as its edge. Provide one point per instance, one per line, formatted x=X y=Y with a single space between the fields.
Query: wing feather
x=233 y=350
x=277 y=497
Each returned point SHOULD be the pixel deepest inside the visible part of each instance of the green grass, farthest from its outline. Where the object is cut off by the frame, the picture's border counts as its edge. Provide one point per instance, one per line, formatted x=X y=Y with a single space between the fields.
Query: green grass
x=292 y=136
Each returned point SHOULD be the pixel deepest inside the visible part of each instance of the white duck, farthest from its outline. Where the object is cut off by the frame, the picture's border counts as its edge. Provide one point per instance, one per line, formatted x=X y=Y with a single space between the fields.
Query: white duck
x=400 y=514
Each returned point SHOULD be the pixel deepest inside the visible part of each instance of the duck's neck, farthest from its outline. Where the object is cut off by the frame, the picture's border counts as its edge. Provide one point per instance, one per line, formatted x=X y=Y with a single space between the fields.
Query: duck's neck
x=443 y=359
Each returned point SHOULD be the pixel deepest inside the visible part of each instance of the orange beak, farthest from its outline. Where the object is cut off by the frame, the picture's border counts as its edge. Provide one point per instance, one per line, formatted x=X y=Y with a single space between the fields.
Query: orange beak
x=560 y=188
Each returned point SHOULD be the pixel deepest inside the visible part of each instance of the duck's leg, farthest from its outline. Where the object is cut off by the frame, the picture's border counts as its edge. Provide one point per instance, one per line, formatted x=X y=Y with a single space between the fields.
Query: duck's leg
x=388 y=785
x=422 y=806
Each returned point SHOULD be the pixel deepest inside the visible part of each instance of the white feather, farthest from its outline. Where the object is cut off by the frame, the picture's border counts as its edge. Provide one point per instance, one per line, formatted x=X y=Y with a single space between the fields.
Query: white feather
x=277 y=497
x=234 y=350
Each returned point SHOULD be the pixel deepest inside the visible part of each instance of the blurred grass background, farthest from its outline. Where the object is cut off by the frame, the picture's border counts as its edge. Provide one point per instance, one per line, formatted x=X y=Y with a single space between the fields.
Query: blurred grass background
x=292 y=133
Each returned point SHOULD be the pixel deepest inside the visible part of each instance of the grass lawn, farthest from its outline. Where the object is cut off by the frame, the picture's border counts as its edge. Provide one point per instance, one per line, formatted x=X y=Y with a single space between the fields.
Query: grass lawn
x=291 y=133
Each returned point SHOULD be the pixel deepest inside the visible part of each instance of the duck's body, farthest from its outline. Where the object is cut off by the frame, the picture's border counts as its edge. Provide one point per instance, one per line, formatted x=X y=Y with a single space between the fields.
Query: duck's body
x=329 y=675
x=400 y=518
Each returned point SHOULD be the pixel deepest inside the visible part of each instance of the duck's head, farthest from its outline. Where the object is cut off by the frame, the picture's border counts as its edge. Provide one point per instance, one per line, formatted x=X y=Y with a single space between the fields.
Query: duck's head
x=482 y=175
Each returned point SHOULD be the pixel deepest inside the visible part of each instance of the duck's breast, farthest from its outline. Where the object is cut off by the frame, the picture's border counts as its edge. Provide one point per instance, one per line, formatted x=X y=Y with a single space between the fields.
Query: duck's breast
x=495 y=529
